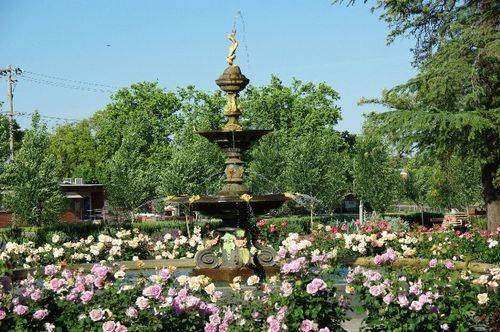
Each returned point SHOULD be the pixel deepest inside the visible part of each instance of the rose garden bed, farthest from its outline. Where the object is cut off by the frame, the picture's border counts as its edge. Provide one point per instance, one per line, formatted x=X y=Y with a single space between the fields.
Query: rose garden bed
x=409 y=280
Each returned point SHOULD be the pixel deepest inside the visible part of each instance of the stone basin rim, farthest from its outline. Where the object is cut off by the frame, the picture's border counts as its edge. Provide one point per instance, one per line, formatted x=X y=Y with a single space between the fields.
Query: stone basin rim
x=367 y=261
x=229 y=199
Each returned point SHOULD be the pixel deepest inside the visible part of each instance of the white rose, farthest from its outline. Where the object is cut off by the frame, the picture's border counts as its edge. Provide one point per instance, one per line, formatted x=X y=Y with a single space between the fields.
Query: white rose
x=482 y=298
x=120 y=274
x=55 y=238
x=253 y=280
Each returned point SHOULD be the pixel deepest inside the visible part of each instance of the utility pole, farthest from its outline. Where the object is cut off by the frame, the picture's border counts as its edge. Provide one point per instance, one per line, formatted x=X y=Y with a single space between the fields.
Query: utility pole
x=10 y=99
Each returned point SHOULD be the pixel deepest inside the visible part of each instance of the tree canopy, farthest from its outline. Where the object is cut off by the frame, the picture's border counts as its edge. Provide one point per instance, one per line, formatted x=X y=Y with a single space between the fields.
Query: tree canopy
x=31 y=181
x=451 y=106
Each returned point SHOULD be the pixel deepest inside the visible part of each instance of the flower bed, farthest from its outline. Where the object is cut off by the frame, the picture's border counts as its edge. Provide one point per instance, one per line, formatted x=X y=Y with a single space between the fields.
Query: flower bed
x=302 y=298
x=349 y=240
x=432 y=299
x=122 y=245
x=375 y=237
x=414 y=283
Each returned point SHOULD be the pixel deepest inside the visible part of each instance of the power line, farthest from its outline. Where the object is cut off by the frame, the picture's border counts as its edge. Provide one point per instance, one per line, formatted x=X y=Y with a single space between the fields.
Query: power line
x=45 y=116
x=63 y=85
x=70 y=80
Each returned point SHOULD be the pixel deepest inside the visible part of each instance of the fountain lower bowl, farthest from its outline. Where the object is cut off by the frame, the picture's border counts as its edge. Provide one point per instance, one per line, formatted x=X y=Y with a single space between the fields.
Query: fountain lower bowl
x=233 y=207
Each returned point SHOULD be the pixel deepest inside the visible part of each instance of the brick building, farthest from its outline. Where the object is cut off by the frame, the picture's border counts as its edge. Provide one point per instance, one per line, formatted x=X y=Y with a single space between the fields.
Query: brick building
x=85 y=201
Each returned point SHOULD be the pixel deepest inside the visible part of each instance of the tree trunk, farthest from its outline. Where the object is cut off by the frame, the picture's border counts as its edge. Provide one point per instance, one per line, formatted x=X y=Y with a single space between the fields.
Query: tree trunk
x=491 y=195
x=422 y=216
x=493 y=213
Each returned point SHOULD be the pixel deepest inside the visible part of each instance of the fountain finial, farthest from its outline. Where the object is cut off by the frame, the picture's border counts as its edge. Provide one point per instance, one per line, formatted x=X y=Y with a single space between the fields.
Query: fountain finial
x=231 y=55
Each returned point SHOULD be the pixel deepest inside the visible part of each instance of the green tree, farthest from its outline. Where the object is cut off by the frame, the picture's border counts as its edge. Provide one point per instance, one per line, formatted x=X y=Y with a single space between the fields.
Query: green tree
x=316 y=166
x=417 y=183
x=296 y=109
x=454 y=183
x=452 y=104
x=76 y=151
x=133 y=135
x=31 y=181
x=305 y=153
x=128 y=179
x=377 y=179
x=4 y=137
x=196 y=167
x=267 y=162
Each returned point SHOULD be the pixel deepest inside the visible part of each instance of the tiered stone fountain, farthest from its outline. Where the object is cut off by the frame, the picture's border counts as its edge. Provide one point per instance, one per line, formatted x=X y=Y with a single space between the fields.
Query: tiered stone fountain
x=235 y=250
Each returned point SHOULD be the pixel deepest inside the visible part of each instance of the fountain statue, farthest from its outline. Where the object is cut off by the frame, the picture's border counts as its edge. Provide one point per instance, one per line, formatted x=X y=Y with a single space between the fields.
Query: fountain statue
x=235 y=250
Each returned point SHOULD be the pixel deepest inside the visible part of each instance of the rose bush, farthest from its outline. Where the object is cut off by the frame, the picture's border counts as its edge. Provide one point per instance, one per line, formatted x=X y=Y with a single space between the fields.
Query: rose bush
x=373 y=238
x=122 y=245
x=302 y=297
x=354 y=239
x=437 y=298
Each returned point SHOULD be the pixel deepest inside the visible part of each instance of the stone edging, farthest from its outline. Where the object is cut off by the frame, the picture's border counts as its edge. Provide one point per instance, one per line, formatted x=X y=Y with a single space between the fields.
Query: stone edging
x=153 y=264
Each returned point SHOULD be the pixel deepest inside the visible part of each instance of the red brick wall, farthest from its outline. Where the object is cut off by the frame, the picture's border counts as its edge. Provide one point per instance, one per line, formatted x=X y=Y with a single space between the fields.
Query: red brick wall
x=69 y=216
x=5 y=219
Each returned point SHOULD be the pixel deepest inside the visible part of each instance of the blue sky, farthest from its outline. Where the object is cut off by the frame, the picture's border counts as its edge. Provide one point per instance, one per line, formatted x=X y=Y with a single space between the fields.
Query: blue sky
x=184 y=42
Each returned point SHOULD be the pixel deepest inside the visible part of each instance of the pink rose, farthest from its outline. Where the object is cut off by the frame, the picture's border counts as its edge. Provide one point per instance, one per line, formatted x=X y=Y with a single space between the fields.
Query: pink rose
x=36 y=295
x=89 y=279
x=388 y=298
x=403 y=301
x=449 y=264
x=50 y=270
x=318 y=258
x=433 y=262
x=307 y=326
x=153 y=291
x=96 y=314
x=72 y=297
x=376 y=290
x=378 y=259
x=142 y=303
x=165 y=274
x=55 y=284
x=40 y=314
x=99 y=270
x=20 y=309
x=108 y=326
x=131 y=312
x=415 y=289
x=281 y=253
x=79 y=287
x=120 y=328
x=86 y=297
x=293 y=266
x=315 y=286
x=416 y=306
x=67 y=273
x=209 y=327
x=99 y=282
x=2 y=314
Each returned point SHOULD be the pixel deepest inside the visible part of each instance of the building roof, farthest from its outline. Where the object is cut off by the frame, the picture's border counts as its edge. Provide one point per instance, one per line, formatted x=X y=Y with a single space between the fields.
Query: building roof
x=72 y=185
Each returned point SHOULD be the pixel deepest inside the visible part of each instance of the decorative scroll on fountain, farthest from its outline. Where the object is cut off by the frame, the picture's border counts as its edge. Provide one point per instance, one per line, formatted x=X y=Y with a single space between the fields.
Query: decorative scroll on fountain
x=235 y=250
